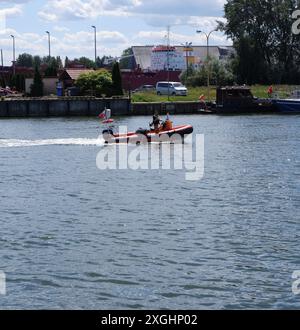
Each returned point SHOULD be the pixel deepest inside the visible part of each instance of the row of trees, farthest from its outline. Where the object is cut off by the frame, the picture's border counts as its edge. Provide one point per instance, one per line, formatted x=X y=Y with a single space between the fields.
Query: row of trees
x=98 y=83
x=220 y=73
x=31 y=61
x=266 y=49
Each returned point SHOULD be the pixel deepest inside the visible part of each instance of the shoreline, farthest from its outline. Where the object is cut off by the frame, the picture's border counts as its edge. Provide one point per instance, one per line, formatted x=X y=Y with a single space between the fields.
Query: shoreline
x=90 y=106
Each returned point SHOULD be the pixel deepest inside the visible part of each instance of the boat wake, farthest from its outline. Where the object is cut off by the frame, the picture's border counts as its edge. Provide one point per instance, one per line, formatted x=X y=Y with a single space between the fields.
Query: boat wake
x=11 y=143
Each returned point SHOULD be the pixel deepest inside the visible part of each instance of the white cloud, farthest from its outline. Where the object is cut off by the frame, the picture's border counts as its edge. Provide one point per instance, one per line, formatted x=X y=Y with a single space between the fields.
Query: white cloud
x=61 y=29
x=12 y=11
x=91 y=9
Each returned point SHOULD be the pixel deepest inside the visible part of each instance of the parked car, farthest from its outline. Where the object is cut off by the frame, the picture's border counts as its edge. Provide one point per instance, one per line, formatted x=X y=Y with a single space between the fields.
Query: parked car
x=171 y=88
x=145 y=88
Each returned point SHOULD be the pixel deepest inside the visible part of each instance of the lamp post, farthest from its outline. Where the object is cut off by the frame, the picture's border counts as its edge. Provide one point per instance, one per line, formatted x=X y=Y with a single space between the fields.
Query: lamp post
x=208 y=61
x=49 y=44
x=14 y=54
x=95 y=41
x=187 y=46
x=168 y=59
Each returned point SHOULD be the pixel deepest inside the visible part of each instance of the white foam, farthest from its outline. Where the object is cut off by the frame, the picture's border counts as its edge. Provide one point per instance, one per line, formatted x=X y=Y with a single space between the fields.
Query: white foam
x=11 y=143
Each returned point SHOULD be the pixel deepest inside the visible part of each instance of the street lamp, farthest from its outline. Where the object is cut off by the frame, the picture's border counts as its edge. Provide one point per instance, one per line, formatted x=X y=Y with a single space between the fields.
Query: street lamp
x=208 y=64
x=187 y=46
x=95 y=40
x=49 y=45
x=14 y=54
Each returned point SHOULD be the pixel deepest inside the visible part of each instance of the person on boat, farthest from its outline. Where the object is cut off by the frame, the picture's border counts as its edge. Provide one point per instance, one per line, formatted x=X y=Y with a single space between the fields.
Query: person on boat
x=167 y=125
x=156 y=122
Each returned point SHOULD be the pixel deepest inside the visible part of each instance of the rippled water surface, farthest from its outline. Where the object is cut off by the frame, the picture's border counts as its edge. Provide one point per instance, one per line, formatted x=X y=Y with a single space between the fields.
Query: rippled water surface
x=73 y=236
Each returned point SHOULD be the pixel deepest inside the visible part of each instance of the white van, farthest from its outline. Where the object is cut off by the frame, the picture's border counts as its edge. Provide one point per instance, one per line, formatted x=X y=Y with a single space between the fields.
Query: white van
x=173 y=88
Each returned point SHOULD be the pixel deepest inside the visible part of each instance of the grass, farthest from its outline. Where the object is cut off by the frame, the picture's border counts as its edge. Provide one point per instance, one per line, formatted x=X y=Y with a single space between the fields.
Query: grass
x=194 y=93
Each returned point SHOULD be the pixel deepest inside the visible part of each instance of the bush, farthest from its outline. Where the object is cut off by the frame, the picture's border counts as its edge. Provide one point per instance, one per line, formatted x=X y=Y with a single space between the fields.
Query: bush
x=37 y=86
x=220 y=74
x=95 y=83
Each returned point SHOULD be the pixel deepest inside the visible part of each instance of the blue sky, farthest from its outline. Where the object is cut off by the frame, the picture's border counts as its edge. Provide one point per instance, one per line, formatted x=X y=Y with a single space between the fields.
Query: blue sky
x=120 y=24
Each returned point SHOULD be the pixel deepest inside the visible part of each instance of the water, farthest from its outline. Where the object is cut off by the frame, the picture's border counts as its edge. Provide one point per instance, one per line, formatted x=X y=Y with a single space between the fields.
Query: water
x=73 y=236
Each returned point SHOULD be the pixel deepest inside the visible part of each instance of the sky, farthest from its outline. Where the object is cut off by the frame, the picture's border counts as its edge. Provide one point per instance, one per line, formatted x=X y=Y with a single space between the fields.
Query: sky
x=120 y=24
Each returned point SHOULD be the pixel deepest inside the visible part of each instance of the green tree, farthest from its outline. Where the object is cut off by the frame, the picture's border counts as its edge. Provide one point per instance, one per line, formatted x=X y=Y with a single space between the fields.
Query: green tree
x=220 y=74
x=52 y=68
x=127 y=59
x=266 y=48
x=37 y=86
x=95 y=83
x=25 y=60
x=117 y=80
x=37 y=61
x=67 y=61
x=18 y=82
x=88 y=63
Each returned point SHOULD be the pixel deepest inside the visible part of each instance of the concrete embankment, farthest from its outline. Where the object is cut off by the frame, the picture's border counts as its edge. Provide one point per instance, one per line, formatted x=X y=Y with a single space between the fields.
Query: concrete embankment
x=146 y=108
x=61 y=107
x=84 y=106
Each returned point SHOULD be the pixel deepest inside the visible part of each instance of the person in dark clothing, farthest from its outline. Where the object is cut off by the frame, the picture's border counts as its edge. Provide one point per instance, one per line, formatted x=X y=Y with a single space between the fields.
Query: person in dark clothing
x=156 y=121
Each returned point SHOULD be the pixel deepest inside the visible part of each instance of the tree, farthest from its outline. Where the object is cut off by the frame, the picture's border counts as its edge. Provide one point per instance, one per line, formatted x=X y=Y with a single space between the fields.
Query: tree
x=67 y=62
x=18 y=82
x=25 y=60
x=37 y=61
x=261 y=30
x=127 y=59
x=117 y=80
x=59 y=62
x=220 y=74
x=88 y=63
x=37 y=86
x=96 y=83
x=52 y=68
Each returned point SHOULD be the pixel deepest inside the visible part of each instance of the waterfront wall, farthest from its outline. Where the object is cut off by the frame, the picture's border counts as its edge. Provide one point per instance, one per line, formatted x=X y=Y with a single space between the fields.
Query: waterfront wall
x=62 y=107
x=81 y=106
x=162 y=108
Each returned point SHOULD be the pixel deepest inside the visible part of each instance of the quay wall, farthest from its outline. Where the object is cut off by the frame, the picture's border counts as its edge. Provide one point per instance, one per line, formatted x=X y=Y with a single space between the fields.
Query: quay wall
x=82 y=106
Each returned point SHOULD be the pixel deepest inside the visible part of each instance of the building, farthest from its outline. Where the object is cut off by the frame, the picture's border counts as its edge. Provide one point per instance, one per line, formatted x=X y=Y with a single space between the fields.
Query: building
x=163 y=57
x=150 y=58
x=49 y=85
x=69 y=76
x=152 y=63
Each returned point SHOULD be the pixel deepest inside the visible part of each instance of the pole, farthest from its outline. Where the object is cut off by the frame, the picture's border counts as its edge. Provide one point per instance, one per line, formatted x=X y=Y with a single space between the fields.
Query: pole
x=95 y=42
x=187 y=47
x=14 y=54
x=208 y=69
x=187 y=60
x=2 y=59
x=49 y=44
x=168 y=61
x=208 y=61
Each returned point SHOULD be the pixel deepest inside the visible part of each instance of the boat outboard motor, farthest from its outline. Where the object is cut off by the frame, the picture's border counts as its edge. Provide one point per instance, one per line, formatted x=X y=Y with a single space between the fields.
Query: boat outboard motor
x=108 y=131
x=142 y=131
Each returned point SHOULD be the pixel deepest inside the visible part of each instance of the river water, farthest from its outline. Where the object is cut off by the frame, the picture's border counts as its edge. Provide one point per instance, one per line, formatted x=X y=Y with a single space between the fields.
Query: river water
x=73 y=236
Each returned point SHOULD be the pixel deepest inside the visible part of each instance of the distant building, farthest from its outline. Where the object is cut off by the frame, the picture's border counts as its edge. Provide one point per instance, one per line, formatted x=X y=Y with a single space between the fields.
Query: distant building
x=49 y=85
x=163 y=57
x=150 y=58
x=69 y=76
